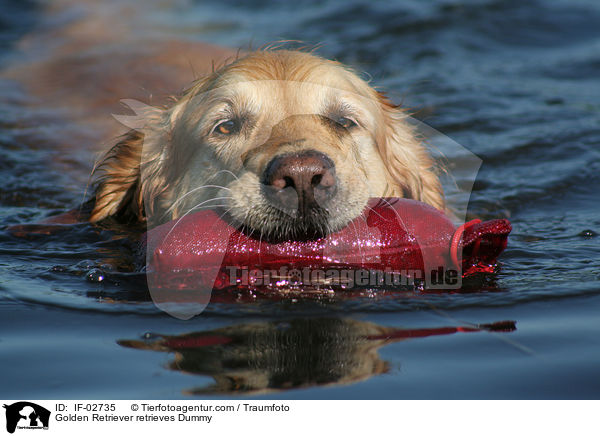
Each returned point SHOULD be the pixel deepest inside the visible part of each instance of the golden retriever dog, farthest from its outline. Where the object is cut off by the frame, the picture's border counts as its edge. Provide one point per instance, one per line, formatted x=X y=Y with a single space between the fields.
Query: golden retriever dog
x=289 y=144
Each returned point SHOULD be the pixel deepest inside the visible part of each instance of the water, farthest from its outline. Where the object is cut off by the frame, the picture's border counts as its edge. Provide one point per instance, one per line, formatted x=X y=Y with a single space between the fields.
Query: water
x=515 y=82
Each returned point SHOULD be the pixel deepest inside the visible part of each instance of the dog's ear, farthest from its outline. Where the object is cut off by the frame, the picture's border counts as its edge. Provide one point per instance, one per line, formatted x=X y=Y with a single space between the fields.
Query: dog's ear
x=118 y=190
x=411 y=170
x=131 y=176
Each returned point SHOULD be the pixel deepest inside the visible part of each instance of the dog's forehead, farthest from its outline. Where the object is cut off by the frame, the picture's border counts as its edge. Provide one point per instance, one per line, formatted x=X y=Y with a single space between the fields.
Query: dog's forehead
x=293 y=96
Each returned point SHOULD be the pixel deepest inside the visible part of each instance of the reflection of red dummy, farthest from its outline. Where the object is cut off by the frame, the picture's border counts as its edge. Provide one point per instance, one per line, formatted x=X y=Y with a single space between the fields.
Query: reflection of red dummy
x=209 y=340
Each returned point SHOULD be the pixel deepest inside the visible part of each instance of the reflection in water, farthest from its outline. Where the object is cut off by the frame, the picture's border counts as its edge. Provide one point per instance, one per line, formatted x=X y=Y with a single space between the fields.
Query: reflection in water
x=266 y=356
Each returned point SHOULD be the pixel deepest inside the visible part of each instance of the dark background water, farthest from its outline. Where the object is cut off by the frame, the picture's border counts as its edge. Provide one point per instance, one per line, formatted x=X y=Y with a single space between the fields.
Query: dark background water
x=517 y=83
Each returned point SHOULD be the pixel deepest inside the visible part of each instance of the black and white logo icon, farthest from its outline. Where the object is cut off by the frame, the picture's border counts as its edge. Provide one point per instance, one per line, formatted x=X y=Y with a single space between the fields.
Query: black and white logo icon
x=26 y=415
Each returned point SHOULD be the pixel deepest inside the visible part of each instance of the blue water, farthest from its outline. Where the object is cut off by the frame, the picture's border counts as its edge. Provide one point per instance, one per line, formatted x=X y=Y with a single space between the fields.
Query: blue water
x=514 y=82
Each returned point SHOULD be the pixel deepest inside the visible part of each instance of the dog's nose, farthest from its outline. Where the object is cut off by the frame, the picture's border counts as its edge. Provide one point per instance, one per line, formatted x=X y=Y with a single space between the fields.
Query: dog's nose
x=300 y=181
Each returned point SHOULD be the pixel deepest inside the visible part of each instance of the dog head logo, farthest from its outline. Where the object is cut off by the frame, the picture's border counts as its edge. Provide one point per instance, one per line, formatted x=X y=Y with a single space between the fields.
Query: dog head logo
x=26 y=415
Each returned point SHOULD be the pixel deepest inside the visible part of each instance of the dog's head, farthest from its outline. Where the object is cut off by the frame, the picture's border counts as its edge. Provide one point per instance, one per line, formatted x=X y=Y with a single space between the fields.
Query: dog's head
x=290 y=144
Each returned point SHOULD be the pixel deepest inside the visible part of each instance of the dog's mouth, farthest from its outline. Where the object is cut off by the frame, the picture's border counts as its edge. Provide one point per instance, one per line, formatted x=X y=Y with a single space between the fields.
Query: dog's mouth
x=301 y=221
x=294 y=220
x=280 y=225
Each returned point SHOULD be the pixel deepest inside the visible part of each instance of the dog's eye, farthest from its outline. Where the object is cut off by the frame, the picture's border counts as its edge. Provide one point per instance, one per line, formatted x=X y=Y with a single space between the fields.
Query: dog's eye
x=346 y=123
x=227 y=127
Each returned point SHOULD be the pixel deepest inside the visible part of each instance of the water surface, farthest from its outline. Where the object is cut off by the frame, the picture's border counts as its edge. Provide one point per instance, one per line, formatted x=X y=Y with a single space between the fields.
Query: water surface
x=514 y=82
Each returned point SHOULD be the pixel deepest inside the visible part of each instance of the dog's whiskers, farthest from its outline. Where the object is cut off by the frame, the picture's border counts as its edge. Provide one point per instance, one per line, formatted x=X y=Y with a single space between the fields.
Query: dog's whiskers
x=223 y=171
x=400 y=220
x=357 y=240
x=176 y=202
x=374 y=211
x=196 y=207
x=243 y=225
